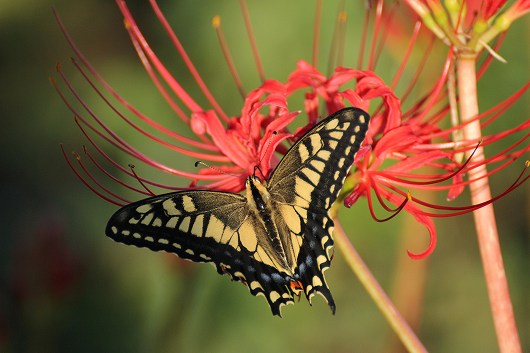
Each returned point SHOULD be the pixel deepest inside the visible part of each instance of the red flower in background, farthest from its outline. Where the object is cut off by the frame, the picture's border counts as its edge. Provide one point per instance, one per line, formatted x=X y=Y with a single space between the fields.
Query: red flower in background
x=399 y=144
x=405 y=150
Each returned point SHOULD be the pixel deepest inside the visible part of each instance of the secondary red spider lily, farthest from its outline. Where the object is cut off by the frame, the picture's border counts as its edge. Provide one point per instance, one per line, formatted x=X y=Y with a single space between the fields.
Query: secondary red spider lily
x=244 y=145
x=410 y=141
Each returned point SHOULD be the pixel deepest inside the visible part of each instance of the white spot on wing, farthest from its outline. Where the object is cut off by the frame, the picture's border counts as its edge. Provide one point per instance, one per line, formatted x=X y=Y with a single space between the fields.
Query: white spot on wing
x=198 y=225
x=321 y=258
x=317 y=282
x=215 y=228
x=303 y=152
x=337 y=135
x=144 y=208
x=318 y=165
x=171 y=208
x=147 y=219
x=291 y=218
x=172 y=223
x=247 y=236
x=188 y=204
x=255 y=284
x=274 y=296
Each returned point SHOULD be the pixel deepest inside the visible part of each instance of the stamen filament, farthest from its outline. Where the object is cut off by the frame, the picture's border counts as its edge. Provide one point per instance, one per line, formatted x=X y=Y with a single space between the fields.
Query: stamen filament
x=131 y=166
x=189 y=64
x=316 y=33
x=95 y=191
x=104 y=171
x=217 y=158
x=216 y=23
x=252 y=40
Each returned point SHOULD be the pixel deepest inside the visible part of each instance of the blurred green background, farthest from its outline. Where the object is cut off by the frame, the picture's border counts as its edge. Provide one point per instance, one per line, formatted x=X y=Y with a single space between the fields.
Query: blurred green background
x=65 y=287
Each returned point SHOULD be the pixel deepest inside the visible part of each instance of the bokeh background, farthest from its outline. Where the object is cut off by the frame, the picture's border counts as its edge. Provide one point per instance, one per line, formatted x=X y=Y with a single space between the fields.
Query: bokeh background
x=65 y=287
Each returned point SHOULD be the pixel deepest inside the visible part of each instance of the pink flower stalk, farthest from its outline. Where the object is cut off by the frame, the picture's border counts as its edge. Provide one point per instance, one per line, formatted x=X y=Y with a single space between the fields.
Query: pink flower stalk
x=467 y=27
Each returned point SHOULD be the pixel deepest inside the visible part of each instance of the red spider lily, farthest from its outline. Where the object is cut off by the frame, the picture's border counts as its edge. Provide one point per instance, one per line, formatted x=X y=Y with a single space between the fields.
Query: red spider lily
x=410 y=140
x=399 y=146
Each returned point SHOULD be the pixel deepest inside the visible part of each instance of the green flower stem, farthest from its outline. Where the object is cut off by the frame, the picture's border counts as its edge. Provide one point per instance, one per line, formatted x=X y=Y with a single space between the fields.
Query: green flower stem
x=394 y=318
x=485 y=224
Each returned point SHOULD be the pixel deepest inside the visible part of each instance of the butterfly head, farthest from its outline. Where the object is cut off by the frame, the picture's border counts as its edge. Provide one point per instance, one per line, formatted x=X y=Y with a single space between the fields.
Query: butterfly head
x=257 y=194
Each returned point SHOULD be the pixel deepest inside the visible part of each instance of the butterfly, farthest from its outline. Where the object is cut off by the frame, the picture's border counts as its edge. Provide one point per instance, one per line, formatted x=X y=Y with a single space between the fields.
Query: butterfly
x=275 y=237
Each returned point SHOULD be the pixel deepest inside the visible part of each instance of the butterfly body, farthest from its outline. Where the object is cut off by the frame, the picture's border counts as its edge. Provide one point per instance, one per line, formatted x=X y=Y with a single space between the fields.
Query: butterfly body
x=274 y=238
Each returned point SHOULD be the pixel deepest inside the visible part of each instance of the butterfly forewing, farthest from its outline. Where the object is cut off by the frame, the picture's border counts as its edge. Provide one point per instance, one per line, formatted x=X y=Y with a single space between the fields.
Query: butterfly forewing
x=305 y=185
x=222 y=228
x=192 y=224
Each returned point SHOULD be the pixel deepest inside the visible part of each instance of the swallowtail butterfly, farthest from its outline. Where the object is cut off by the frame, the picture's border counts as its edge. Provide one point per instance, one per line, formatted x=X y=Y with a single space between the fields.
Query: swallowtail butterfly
x=276 y=237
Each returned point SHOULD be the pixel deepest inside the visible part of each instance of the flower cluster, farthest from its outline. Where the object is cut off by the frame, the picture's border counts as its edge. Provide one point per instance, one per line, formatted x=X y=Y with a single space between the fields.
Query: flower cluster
x=404 y=151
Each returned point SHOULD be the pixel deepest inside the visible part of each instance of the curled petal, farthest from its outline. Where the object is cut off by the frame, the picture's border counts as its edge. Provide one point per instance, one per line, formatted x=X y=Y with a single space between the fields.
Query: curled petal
x=421 y=218
x=305 y=75
x=429 y=224
x=355 y=99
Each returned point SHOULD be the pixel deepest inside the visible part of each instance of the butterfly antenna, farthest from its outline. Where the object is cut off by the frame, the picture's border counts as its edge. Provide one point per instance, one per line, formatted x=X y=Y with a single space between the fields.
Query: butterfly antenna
x=198 y=163
x=131 y=167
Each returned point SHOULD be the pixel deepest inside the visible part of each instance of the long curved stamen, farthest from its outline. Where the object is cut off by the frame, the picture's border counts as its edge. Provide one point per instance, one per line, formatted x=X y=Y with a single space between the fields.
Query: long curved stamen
x=377 y=27
x=216 y=24
x=316 y=33
x=217 y=158
x=131 y=167
x=336 y=50
x=109 y=175
x=136 y=154
x=460 y=210
x=406 y=56
x=87 y=184
x=379 y=194
x=134 y=31
x=184 y=55
x=252 y=40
